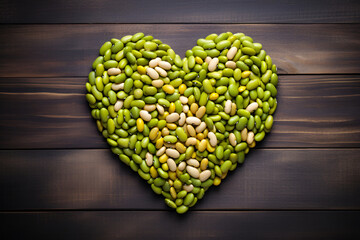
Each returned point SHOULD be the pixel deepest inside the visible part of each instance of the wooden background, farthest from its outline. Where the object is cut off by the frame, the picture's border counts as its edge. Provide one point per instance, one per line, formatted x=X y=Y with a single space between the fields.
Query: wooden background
x=58 y=179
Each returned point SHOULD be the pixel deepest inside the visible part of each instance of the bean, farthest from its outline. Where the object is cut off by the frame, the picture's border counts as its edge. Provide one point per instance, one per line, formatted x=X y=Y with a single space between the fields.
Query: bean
x=193 y=171
x=213 y=64
x=184 y=123
x=172 y=153
x=152 y=73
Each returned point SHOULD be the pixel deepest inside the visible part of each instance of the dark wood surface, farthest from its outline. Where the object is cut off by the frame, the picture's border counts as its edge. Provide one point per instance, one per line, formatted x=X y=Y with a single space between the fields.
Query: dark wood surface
x=59 y=180
x=185 y=11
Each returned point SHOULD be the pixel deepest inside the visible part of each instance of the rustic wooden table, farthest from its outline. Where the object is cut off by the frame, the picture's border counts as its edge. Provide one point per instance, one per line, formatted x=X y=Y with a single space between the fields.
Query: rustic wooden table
x=59 y=180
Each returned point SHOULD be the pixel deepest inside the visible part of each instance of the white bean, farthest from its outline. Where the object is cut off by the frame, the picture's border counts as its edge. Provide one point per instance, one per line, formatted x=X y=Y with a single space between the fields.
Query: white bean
x=161 y=71
x=227 y=108
x=145 y=115
x=204 y=175
x=118 y=105
x=250 y=137
x=213 y=64
x=252 y=107
x=152 y=73
x=192 y=171
x=113 y=71
x=231 y=53
x=182 y=166
x=193 y=120
x=173 y=153
x=173 y=117
x=165 y=65
x=149 y=159
x=212 y=139
x=171 y=164
x=232 y=139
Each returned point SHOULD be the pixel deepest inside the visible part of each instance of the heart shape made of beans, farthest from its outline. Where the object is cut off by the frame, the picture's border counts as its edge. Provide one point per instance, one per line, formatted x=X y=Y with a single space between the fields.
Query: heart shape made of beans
x=183 y=124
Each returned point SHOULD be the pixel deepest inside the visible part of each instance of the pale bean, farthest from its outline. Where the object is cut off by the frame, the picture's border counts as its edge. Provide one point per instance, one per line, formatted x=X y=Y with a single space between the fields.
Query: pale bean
x=157 y=83
x=182 y=166
x=231 y=53
x=250 y=137
x=152 y=73
x=230 y=64
x=208 y=59
x=193 y=162
x=191 y=131
x=185 y=108
x=149 y=159
x=201 y=127
x=160 y=109
x=113 y=71
x=227 y=108
x=149 y=107
x=244 y=134
x=188 y=188
x=171 y=164
x=232 y=139
x=173 y=153
x=201 y=112
x=145 y=115
x=117 y=86
x=165 y=65
x=154 y=62
x=193 y=120
x=252 y=107
x=204 y=175
x=184 y=100
x=213 y=64
x=212 y=139
x=192 y=171
x=161 y=71
x=161 y=151
x=182 y=119
x=173 y=117
x=190 y=141
x=118 y=105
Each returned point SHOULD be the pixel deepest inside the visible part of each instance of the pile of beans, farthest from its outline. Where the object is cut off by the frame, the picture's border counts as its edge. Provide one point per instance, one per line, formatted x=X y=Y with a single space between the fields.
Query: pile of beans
x=183 y=124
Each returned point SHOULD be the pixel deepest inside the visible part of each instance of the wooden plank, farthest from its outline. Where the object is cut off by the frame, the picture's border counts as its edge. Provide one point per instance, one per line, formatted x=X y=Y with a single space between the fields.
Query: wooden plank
x=313 y=111
x=68 y=50
x=96 y=179
x=230 y=11
x=195 y=225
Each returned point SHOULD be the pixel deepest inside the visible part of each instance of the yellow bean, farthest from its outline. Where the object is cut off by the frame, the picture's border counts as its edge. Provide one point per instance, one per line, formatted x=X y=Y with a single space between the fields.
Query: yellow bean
x=182 y=88
x=172 y=108
x=245 y=74
x=165 y=167
x=163 y=158
x=242 y=88
x=159 y=143
x=168 y=89
x=217 y=181
x=141 y=70
x=153 y=172
x=140 y=124
x=214 y=96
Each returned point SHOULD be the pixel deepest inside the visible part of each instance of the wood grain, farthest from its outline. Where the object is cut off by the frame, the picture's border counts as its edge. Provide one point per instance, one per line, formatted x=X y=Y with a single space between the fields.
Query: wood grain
x=195 y=225
x=313 y=111
x=68 y=50
x=195 y=11
x=96 y=179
